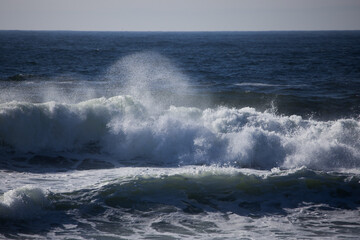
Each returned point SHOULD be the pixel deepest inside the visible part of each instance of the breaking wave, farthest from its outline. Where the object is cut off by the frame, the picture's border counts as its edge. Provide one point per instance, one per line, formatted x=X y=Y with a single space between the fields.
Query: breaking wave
x=126 y=129
x=188 y=200
x=23 y=203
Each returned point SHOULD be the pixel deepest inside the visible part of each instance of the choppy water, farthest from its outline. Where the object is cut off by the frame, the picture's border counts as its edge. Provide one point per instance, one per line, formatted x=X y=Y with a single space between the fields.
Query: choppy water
x=179 y=135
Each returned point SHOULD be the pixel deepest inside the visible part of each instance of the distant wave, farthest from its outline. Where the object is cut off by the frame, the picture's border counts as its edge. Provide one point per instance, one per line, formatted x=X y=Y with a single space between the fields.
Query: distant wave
x=127 y=130
x=255 y=84
x=19 y=77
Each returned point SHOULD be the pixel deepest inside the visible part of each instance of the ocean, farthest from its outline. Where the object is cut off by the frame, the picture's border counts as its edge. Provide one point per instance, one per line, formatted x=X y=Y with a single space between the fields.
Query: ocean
x=179 y=135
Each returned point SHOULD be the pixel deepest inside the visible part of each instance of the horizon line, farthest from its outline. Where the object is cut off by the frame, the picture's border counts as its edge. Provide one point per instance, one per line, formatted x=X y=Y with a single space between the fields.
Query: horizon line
x=174 y=31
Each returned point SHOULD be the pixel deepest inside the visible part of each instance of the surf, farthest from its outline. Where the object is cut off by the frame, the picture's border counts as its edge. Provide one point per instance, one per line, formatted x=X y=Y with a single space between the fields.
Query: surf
x=127 y=130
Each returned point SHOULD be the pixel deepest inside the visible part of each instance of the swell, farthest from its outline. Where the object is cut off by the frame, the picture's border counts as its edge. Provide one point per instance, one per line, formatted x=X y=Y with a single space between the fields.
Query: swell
x=193 y=191
x=290 y=101
x=188 y=202
x=217 y=189
x=126 y=131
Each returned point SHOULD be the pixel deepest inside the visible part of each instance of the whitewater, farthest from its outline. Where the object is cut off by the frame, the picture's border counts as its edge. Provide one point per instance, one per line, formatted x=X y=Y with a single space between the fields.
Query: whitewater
x=148 y=151
x=122 y=128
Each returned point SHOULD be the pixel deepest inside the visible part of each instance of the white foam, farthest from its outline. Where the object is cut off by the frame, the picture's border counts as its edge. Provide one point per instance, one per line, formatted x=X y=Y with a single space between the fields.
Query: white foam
x=126 y=129
x=61 y=127
x=144 y=125
x=23 y=203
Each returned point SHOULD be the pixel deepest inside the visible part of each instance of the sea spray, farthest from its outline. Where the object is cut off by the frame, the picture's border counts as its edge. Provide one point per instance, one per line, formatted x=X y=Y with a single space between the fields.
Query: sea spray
x=151 y=78
x=179 y=135
x=126 y=130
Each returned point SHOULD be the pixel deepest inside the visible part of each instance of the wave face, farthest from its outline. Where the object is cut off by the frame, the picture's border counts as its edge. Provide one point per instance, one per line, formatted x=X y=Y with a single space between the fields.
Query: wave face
x=127 y=130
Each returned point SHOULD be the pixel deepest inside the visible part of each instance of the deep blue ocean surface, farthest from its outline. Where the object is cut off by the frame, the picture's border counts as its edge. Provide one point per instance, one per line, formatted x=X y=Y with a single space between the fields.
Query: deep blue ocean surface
x=179 y=135
x=306 y=73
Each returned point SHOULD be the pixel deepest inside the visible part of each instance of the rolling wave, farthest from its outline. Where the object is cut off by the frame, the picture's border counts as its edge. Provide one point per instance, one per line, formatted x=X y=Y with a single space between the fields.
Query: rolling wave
x=186 y=202
x=128 y=131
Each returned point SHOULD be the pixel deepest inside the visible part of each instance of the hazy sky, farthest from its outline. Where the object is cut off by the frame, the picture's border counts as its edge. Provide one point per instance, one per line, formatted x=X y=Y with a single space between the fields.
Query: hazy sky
x=180 y=15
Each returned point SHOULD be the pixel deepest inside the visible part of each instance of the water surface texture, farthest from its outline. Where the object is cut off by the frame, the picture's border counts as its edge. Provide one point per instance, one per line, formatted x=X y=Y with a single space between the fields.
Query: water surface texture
x=194 y=135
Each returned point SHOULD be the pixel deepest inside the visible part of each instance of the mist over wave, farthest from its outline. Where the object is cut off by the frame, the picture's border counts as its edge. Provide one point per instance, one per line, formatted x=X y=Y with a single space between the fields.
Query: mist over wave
x=150 y=124
x=126 y=129
x=179 y=135
x=150 y=78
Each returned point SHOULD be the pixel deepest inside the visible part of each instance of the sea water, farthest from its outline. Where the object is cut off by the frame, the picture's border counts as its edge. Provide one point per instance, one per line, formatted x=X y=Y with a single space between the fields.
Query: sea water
x=186 y=135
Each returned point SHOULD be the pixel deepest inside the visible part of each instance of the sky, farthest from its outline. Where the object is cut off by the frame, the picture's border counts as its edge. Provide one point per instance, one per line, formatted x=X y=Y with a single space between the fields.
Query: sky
x=179 y=15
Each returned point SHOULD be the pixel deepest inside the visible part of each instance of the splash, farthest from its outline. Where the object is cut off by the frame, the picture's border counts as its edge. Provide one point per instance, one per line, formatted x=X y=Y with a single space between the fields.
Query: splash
x=147 y=120
x=150 y=78
x=126 y=130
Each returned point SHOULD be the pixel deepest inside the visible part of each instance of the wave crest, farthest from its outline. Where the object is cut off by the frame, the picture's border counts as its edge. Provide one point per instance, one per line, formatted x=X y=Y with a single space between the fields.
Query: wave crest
x=23 y=203
x=127 y=130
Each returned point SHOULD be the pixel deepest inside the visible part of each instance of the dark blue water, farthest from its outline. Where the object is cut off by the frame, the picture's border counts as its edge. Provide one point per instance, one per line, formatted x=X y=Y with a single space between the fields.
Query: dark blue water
x=201 y=135
x=305 y=73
